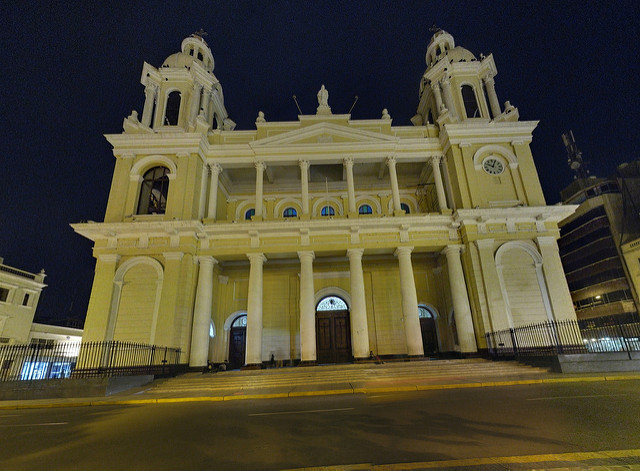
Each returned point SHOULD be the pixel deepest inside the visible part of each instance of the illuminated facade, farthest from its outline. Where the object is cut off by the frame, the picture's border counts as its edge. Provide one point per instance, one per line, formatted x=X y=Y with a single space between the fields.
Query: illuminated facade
x=324 y=239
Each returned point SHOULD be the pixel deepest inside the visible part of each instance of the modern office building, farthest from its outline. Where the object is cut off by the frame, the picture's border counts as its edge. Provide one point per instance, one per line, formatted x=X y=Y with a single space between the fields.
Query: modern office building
x=600 y=245
x=324 y=239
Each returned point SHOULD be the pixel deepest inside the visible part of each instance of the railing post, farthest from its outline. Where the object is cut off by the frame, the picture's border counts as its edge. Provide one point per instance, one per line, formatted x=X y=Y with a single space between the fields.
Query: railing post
x=514 y=343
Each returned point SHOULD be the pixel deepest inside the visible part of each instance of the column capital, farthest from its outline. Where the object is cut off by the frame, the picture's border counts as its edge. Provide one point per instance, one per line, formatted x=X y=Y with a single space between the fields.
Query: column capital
x=488 y=79
x=260 y=165
x=215 y=168
x=445 y=81
x=256 y=257
x=355 y=253
x=348 y=162
x=452 y=249
x=391 y=160
x=306 y=254
x=435 y=159
x=304 y=164
x=206 y=260
x=434 y=84
x=403 y=251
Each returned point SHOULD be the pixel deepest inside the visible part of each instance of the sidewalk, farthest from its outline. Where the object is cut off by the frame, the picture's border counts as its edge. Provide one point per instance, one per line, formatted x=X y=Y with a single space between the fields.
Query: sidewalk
x=326 y=380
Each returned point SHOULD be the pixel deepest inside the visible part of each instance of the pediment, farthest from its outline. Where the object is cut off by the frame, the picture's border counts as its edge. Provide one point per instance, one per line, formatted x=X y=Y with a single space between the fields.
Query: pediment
x=323 y=133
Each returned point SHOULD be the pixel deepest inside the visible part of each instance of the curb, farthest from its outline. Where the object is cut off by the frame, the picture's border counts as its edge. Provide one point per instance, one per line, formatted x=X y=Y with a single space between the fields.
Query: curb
x=326 y=392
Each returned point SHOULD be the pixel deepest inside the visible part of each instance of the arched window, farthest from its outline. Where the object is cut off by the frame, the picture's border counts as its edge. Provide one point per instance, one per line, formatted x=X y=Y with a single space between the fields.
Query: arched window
x=331 y=303
x=249 y=214
x=405 y=207
x=470 y=102
x=290 y=213
x=240 y=321
x=173 y=108
x=154 y=191
x=365 y=209
x=328 y=211
x=200 y=55
x=425 y=313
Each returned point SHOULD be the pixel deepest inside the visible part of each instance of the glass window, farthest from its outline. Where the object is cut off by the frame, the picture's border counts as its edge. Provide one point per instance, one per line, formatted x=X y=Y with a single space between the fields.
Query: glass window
x=249 y=214
x=290 y=213
x=154 y=191
x=4 y=294
x=173 y=108
x=328 y=211
x=470 y=102
x=424 y=313
x=405 y=206
x=332 y=303
x=365 y=209
x=25 y=300
x=241 y=321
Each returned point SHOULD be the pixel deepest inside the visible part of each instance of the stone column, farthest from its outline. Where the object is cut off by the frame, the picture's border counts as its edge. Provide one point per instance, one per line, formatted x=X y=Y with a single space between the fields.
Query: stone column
x=498 y=316
x=100 y=312
x=195 y=102
x=461 y=308
x=393 y=176
x=260 y=168
x=409 y=303
x=435 y=86
x=351 y=193
x=213 y=191
x=556 y=281
x=307 y=308
x=490 y=85
x=202 y=313
x=359 y=329
x=149 y=100
x=448 y=96
x=304 y=179
x=253 y=353
x=437 y=178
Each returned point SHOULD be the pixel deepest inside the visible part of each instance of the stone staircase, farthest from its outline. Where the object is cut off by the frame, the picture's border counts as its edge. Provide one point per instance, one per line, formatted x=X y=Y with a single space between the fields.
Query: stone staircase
x=361 y=375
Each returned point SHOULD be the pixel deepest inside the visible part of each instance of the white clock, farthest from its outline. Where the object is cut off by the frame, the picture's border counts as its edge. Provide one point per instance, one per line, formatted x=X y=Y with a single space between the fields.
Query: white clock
x=492 y=166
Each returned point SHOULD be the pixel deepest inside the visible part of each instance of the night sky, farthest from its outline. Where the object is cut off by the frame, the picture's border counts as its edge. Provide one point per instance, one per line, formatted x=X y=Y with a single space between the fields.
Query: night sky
x=71 y=73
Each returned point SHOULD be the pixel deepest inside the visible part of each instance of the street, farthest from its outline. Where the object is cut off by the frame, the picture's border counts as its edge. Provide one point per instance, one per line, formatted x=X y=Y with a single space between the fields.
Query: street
x=328 y=430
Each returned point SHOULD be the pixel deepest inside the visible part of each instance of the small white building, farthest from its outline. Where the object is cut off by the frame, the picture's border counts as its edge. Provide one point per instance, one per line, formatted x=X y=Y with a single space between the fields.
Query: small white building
x=19 y=296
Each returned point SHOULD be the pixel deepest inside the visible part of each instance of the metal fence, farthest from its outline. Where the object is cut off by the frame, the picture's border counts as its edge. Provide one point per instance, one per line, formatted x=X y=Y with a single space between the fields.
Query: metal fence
x=83 y=360
x=563 y=337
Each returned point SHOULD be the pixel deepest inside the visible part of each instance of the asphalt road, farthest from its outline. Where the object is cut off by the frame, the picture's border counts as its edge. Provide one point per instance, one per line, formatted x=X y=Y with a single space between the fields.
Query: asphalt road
x=330 y=430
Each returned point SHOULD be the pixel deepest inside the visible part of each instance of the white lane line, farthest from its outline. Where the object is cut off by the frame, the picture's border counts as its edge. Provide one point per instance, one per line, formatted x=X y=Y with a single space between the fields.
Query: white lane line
x=301 y=411
x=12 y=415
x=572 y=397
x=47 y=424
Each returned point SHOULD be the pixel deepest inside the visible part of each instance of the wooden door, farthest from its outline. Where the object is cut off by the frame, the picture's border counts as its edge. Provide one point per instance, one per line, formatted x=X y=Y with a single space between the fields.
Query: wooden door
x=237 y=343
x=429 y=335
x=333 y=337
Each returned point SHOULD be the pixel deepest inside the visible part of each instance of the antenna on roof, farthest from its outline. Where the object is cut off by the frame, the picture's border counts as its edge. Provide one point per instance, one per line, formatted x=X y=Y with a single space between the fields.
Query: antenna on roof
x=354 y=104
x=574 y=156
x=297 y=105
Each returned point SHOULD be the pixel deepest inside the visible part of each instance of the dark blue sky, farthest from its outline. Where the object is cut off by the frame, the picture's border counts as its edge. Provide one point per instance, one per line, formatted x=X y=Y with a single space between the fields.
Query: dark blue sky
x=71 y=74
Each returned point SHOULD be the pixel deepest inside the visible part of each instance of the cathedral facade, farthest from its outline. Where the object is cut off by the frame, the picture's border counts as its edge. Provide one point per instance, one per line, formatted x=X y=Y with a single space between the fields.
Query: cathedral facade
x=324 y=239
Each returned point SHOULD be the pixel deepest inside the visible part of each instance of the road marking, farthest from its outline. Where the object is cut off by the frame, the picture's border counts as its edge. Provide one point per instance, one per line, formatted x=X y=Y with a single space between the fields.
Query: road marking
x=12 y=415
x=498 y=460
x=571 y=397
x=301 y=411
x=46 y=424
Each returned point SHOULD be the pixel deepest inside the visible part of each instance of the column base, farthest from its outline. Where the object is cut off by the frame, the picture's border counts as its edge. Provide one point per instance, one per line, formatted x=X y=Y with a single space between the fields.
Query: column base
x=256 y=218
x=305 y=217
x=308 y=363
x=253 y=366
x=352 y=215
x=399 y=212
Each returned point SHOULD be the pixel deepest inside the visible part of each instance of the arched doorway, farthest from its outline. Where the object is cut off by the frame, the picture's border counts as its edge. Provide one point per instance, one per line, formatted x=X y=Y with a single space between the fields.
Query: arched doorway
x=333 y=333
x=237 y=341
x=428 y=330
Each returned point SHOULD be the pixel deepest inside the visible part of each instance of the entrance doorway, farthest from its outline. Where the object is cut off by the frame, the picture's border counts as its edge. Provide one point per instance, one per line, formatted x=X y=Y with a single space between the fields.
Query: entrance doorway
x=428 y=330
x=333 y=331
x=237 y=342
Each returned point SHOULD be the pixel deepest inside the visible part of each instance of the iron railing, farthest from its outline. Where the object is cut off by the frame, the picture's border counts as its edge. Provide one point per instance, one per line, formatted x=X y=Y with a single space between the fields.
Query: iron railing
x=84 y=360
x=563 y=337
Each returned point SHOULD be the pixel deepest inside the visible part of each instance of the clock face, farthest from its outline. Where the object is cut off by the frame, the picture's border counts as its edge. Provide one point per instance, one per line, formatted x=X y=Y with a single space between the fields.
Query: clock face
x=493 y=166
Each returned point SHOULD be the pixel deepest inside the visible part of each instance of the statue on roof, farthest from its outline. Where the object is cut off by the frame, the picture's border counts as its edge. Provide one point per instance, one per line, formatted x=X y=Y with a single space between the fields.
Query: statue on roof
x=323 y=101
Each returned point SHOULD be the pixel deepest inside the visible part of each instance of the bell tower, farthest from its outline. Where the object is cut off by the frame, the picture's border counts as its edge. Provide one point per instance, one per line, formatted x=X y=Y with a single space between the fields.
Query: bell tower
x=183 y=93
x=488 y=162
